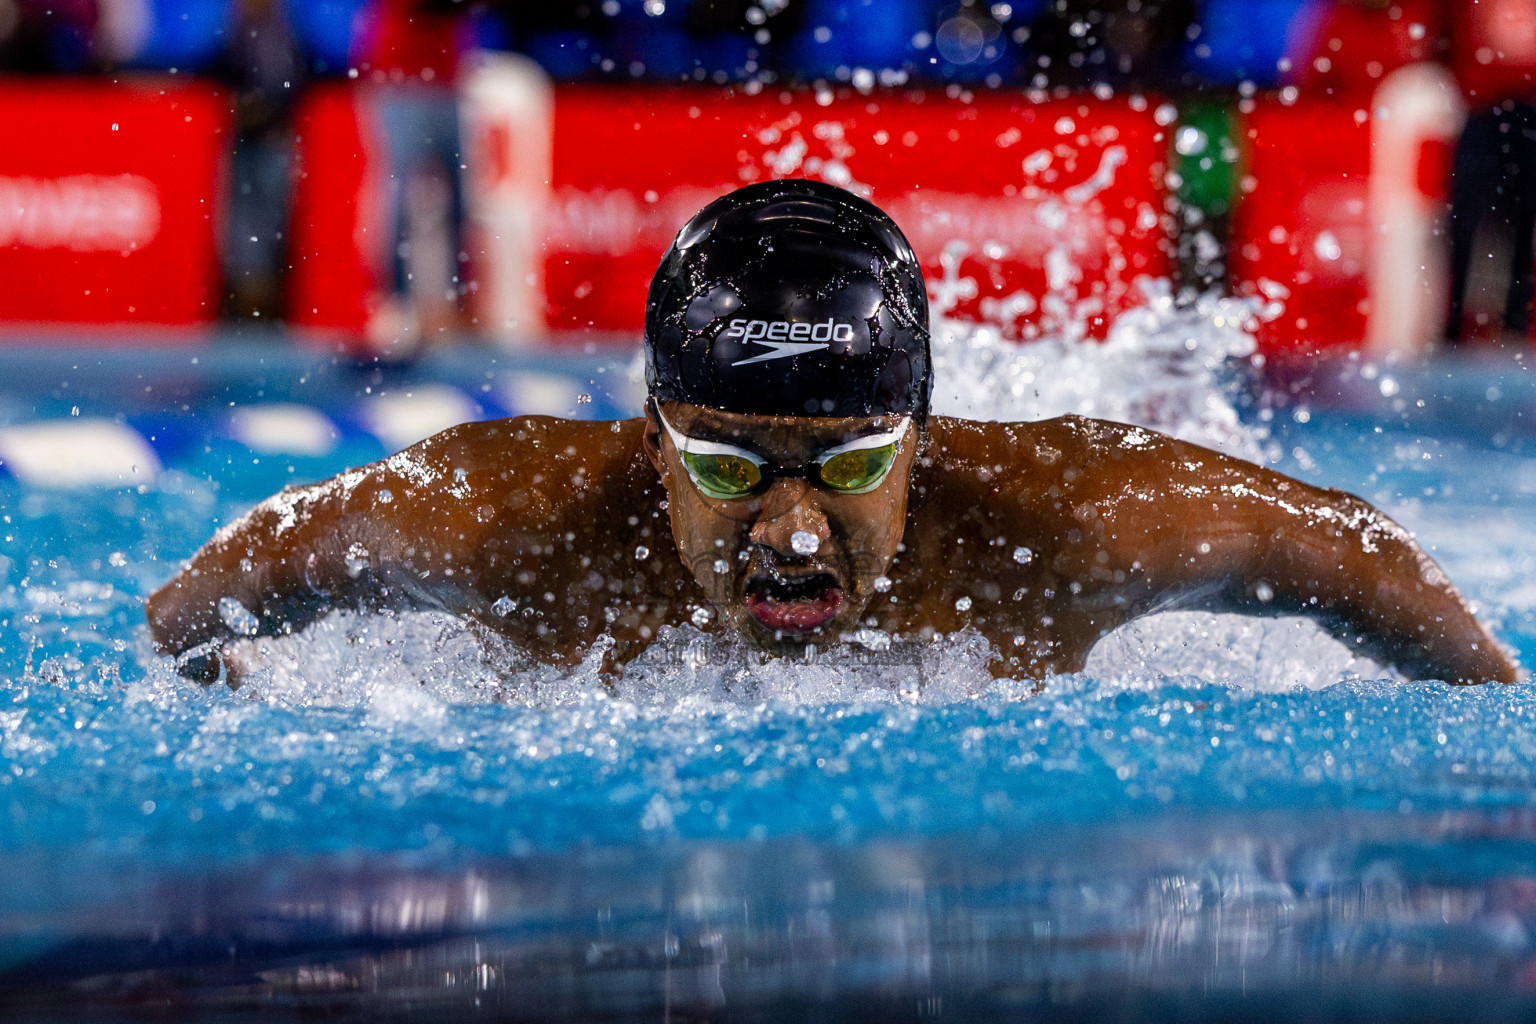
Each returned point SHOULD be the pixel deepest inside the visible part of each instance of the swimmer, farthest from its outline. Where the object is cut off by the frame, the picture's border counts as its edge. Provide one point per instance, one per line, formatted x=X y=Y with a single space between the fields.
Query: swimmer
x=787 y=482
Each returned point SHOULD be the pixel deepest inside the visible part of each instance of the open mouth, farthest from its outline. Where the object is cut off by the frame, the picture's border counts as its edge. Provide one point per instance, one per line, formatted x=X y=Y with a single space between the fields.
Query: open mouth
x=791 y=604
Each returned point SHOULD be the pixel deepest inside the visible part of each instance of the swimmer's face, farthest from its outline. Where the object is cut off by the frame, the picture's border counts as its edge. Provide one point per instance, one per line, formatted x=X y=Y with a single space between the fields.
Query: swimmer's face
x=792 y=561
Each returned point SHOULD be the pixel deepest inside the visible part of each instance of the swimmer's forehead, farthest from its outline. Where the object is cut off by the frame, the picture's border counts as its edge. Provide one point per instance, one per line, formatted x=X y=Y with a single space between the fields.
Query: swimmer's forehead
x=798 y=437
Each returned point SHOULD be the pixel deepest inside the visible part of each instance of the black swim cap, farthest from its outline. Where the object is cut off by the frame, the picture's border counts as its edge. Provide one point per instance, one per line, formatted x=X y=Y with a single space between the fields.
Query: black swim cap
x=790 y=298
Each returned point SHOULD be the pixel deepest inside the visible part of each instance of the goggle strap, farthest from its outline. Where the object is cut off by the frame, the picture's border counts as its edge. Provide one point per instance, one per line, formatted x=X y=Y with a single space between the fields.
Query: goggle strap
x=698 y=446
x=867 y=442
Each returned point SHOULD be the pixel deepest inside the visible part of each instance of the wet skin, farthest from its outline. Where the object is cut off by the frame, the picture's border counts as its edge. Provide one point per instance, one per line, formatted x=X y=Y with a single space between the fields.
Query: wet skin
x=1042 y=536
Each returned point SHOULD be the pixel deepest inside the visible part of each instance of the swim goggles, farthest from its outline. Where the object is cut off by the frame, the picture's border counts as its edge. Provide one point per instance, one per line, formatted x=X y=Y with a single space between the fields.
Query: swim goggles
x=724 y=471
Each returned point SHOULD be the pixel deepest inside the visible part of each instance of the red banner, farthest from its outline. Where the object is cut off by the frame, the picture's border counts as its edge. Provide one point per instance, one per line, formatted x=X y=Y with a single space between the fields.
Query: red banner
x=1341 y=225
x=1302 y=233
x=110 y=202
x=337 y=235
x=1038 y=216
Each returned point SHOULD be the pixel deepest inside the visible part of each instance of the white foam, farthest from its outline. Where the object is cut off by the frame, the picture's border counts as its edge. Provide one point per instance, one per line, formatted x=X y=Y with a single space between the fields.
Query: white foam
x=404 y=670
x=1270 y=655
x=1170 y=367
x=348 y=659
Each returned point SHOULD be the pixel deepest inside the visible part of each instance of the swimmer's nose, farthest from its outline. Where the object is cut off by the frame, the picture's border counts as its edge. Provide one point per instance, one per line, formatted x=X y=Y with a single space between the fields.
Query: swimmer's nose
x=789 y=507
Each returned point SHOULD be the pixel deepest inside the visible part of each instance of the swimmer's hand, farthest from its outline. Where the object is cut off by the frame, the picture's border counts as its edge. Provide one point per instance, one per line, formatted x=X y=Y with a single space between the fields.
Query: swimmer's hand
x=202 y=634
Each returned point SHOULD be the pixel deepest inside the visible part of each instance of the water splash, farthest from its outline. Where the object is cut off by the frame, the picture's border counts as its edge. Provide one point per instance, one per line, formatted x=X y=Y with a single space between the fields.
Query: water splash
x=1174 y=367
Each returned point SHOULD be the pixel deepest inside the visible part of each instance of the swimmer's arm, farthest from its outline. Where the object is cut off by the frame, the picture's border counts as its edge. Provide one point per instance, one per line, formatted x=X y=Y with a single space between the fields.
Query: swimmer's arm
x=409 y=531
x=1225 y=535
x=286 y=562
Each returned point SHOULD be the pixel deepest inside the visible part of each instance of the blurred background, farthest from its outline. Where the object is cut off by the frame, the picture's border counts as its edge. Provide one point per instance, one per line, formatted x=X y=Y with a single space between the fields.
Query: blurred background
x=388 y=177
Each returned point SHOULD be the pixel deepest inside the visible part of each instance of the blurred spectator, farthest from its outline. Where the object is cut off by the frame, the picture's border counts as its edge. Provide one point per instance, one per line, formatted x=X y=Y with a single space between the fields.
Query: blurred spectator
x=188 y=35
x=1130 y=43
x=978 y=44
x=48 y=35
x=325 y=31
x=266 y=69
x=410 y=50
x=1493 y=201
x=838 y=36
x=662 y=40
x=565 y=39
x=1494 y=51
x=1494 y=198
x=1348 y=47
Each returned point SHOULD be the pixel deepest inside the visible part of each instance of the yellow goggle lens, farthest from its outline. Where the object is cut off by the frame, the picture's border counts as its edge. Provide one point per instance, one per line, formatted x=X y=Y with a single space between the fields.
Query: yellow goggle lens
x=858 y=471
x=723 y=476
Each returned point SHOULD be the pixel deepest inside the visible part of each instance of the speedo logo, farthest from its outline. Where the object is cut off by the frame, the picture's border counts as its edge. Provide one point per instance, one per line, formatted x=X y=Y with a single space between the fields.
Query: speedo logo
x=783 y=330
x=785 y=339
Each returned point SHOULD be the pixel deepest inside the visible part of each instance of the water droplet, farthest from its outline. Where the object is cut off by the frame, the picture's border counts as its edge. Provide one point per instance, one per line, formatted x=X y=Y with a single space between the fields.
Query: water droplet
x=117 y=558
x=386 y=496
x=701 y=617
x=882 y=583
x=1023 y=555
x=1190 y=141
x=804 y=543
x=642 y=553
x=503 y=606
x=872 y=639
x=357 y=560
x=963 y=604
x=583 y=399
x=721 y=566
x=238 y=617
x=1264 y=592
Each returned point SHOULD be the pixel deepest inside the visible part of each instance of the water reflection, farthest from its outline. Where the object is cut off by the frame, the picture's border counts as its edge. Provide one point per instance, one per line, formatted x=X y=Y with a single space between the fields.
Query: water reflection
x=1147 y=916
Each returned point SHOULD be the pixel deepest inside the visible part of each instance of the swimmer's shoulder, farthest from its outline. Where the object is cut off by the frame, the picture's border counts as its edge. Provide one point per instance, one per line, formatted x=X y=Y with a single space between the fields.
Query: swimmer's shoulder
x=1034 y=446
x=1052 y=463
x=520 y=445
x=1069 y=440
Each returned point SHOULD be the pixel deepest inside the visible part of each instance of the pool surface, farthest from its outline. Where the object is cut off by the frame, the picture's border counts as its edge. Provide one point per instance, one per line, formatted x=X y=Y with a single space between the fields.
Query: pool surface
x=1221 y=818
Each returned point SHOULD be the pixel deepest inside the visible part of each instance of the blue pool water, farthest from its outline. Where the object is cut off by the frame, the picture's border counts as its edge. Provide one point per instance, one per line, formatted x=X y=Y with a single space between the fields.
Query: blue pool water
x=1221 y=817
